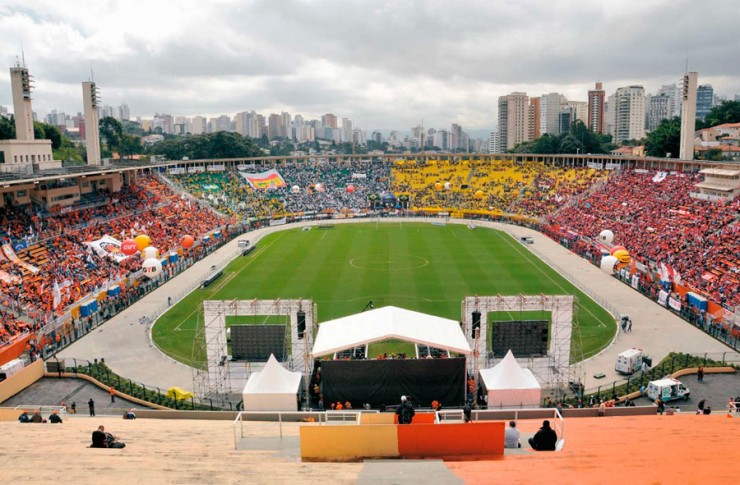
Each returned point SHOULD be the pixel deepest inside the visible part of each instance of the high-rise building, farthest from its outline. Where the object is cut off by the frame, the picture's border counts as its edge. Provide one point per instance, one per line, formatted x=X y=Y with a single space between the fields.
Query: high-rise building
x=456 y=138
x=198 y=125
x=493 y=140
x=329 y=120
x=4 y=111
x=566 y=118
x=629 y=114
x=659 y=108
x=346 y=136
x=534 y=119
x=92 y=132
x=673 y=92
x=513 y=120
x=596 y=109
x=124 y=114
x=688 y=115
x=580 y=111
x=704 y=100
x=442 y=140
x=274 y=128
x=550 y=112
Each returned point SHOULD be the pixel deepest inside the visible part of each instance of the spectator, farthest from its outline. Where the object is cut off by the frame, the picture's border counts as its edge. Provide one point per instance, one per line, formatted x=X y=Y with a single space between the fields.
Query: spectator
x=700 y=406
x=24 y=418
x=36 y=418
x=74 y=407
x=602 y=409
x=54 y=417
x=405 y=411
x=129 y=414
x=102 y=439
x=112 y=394
x=545 y=439
x=91 y=405
x=511 y=436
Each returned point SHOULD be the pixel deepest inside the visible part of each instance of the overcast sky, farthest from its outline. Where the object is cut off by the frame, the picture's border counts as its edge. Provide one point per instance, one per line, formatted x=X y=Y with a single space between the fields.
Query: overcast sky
x=384 y=64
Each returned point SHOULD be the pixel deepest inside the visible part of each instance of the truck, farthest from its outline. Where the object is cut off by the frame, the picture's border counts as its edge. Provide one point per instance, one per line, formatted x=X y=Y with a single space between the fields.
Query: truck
x=629 y=361
x=668 y=389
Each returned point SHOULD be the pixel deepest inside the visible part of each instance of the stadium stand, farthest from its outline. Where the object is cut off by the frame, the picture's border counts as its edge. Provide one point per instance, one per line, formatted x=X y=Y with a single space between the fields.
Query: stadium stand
x=651 y=213
x=659 y=222
x=56 y=252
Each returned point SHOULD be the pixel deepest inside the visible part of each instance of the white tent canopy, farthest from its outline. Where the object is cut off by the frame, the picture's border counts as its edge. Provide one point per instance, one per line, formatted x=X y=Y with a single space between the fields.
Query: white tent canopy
x=274 y=388
x=508 y=384
x=389 y=323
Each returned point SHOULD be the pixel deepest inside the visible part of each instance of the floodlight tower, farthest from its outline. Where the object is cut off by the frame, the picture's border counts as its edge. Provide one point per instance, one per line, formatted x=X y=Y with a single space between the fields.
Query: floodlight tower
x=21 y=84
x=90 y=103
x=688 y=115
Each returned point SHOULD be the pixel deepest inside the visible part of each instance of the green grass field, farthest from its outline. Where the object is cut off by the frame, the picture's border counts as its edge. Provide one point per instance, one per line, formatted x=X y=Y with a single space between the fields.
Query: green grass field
x=411 y=265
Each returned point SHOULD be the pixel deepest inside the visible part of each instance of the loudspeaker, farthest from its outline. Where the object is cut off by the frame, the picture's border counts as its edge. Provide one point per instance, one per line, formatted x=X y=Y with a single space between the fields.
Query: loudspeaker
x=301 y=323
x=476 y=322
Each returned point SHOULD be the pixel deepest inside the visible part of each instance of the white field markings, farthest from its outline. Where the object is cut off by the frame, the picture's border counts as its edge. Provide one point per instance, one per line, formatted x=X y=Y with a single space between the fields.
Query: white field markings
x=216 y=290
x=324 y=235
x=523 y=253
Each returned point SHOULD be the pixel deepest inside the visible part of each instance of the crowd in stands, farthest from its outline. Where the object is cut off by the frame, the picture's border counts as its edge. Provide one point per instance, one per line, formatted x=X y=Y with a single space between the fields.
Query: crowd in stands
x=655 y=218
x=61 y=257
x=526 y=188
x=659 y=221
x=320 y=187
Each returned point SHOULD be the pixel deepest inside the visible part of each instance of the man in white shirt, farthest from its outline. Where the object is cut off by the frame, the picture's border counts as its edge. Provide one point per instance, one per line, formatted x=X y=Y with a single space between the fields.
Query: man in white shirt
x=511 y=437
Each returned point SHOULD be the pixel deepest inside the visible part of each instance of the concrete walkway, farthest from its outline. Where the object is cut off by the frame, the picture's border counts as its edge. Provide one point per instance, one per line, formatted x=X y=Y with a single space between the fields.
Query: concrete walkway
x=127 y=348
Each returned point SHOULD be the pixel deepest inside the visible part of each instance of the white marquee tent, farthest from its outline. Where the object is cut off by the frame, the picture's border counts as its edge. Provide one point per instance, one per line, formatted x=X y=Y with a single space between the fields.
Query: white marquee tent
x=389 y=323
x=274 y=388
x=508 y=384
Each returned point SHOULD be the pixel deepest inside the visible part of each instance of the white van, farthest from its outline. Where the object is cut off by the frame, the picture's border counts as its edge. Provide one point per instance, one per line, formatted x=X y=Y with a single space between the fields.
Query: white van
x=668 y=389
x=629 y=361
x=12 y=367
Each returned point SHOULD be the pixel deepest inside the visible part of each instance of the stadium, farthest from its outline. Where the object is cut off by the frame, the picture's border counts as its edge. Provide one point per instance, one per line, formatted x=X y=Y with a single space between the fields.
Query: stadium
x=251 y=316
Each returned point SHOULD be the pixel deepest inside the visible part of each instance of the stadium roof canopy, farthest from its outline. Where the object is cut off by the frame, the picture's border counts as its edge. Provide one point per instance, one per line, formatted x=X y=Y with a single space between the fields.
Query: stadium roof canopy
x=389 y=323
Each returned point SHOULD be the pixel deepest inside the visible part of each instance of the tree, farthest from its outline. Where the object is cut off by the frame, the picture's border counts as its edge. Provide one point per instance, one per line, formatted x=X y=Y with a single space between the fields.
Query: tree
x=713 y=154
x=727 y=112
x=7 y=128
x=222 y=144
x=665 y=139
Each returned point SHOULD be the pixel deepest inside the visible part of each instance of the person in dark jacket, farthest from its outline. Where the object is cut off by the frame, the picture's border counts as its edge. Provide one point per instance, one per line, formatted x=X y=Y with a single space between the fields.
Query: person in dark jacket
x=405 y=411
x=545 y=439
x=54 y=418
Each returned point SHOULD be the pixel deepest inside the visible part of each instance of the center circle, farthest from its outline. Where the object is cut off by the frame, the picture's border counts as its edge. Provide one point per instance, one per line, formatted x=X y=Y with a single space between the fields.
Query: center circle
x=370 y=263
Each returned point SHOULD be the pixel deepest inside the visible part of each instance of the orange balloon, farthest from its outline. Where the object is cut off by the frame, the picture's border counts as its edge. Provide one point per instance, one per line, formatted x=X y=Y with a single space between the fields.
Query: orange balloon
x=142 y=241
x=187 y=241
x=617 y=248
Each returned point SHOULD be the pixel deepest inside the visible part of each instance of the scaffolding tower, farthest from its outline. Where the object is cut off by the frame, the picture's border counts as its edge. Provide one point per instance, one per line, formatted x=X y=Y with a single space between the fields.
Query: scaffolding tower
x=216 y=377
x=552 y=371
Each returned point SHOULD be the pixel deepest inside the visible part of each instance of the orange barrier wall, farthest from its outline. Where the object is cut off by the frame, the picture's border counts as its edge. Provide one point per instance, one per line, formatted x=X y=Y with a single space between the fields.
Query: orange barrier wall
x=14 y=350
x=348 y=442
x=419 y=418
x=378 y=418
x=451 y=441
x=17 y=382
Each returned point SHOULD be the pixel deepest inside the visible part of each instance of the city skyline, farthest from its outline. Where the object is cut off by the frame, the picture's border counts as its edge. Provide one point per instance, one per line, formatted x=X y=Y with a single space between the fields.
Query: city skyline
x=384 y=65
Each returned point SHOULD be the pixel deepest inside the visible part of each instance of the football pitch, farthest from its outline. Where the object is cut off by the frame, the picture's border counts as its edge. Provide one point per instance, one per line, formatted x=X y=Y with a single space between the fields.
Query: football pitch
x=417 y=266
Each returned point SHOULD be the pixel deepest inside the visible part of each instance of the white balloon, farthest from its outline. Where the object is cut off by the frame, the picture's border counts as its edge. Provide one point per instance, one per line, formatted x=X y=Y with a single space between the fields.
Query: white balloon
x=295 y=189
x=607 y=264
x=606 y=236
x=152 y=267
x=319 y=187
x=448 y=185
x=150 y=252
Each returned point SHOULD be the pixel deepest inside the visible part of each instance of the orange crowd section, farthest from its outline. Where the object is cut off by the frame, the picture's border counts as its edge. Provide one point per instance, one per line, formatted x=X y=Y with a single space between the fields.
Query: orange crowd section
x=640 y=449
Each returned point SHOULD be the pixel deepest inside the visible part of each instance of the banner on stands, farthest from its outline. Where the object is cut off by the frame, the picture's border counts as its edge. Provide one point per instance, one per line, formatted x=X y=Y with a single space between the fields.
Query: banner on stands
x=107 y=247
x=270 y=179
x=9 y=253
